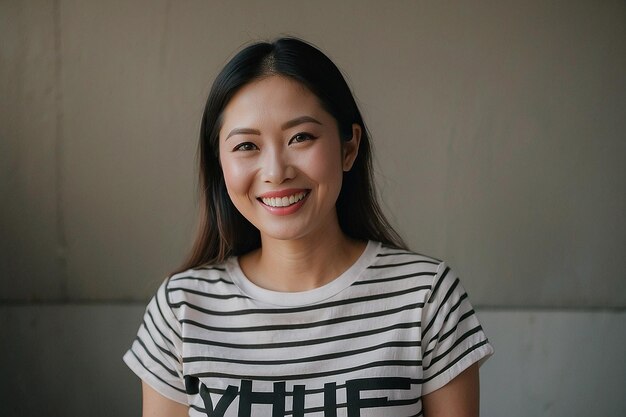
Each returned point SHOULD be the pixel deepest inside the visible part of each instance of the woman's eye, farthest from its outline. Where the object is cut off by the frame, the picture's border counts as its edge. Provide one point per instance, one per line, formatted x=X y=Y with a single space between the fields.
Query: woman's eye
x=246 y=146
x=301 y=137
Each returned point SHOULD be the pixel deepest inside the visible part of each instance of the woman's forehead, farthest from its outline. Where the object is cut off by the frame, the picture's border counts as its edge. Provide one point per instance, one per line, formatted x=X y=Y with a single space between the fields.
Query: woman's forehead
x=273 y=99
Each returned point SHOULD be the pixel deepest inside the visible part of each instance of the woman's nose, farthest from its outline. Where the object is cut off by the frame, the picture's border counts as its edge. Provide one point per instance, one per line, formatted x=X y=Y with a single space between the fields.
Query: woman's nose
x=277 y=168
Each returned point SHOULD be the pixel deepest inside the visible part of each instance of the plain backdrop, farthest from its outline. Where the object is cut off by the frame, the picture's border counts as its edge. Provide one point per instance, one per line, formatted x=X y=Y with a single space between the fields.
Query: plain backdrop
x=498 y=130
x=499 y=137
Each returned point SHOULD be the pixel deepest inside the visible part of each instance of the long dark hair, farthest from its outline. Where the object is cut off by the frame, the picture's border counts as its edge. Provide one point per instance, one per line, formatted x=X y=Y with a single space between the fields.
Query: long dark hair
x=223 y=231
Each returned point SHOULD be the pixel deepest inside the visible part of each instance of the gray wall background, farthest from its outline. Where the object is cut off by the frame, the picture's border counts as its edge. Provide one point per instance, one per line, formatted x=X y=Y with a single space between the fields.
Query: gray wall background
x=499 y=134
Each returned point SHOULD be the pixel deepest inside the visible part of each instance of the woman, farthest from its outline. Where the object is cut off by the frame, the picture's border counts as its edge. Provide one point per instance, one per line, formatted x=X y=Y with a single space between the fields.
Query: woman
x=299 y=298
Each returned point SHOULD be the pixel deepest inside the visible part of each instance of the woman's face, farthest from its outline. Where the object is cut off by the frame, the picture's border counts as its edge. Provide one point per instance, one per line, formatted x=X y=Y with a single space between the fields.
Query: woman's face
x=283 y=160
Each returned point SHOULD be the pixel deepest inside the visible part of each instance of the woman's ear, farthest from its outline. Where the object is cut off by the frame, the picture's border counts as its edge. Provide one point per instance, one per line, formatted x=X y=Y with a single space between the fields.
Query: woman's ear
x=351 y=147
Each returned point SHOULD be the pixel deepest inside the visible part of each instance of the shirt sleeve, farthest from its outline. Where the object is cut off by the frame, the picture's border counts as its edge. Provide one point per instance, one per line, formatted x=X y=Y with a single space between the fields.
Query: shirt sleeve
x=452 y=337
x=155 y=355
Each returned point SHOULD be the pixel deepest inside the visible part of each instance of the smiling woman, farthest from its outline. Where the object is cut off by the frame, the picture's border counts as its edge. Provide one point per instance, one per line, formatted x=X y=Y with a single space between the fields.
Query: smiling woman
x=299 y=298
x=284 y=174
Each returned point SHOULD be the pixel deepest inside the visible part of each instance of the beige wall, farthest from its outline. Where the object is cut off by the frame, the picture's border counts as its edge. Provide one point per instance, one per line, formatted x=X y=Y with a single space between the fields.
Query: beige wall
x=499 y=129
x=500 y=133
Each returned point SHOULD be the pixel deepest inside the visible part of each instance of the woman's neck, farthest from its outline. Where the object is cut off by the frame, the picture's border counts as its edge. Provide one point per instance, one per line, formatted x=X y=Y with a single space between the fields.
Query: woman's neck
x=302 y=264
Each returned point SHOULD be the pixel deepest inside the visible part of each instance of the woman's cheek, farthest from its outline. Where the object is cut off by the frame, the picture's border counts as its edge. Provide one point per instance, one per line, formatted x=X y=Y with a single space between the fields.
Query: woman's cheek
x=326 y=163
x=239 y=176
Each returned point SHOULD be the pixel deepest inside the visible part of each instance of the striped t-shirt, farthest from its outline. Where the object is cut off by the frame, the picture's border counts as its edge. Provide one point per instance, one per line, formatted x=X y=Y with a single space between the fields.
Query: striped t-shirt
x=393 y=327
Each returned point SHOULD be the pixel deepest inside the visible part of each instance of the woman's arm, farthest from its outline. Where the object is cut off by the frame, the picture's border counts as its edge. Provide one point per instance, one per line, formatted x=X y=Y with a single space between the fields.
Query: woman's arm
x=156 y=405
x=458 y=398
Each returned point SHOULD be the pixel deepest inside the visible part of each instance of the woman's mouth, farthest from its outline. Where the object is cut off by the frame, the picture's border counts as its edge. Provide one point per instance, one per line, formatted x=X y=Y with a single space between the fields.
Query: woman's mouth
x=285 y=201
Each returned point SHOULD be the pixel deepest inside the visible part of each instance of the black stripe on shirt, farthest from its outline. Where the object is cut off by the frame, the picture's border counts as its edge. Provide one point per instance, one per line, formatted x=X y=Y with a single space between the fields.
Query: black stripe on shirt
x=209 y=268
x=441 y=305
x=206 y=294
x=298 y=343
x=167 y=323
x=299 y=309
x=297 y=326
x=437 y=284
x=453 y=330
x=154 y=358
x=452 y=363
x=207 y=280
x=380 y=255
x=421 y=261
x=324 y=357
x=451 y=348
x=455 y=307
x=395 y=278
x=161 y=348
x=447 y=334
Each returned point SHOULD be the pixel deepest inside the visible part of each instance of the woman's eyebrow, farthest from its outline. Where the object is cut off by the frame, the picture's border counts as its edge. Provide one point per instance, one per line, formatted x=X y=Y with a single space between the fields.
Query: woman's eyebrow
x=298 y=121
x=291 y=123
x=242 y=131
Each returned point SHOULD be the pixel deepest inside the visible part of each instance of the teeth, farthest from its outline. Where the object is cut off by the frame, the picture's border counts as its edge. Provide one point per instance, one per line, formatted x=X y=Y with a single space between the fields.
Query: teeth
x=283 y=201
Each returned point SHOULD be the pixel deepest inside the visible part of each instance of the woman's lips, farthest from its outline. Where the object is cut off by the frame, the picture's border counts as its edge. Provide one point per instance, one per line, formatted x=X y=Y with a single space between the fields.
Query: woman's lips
x=283 y=202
